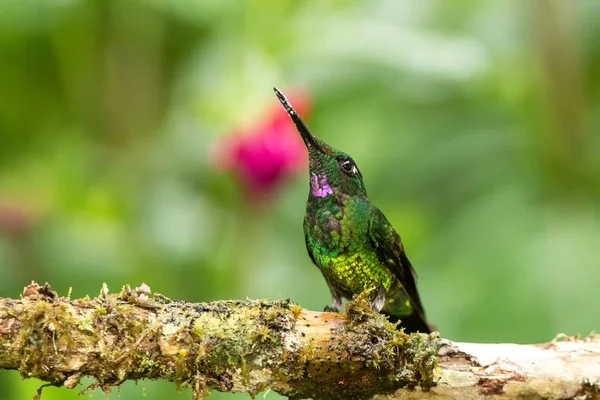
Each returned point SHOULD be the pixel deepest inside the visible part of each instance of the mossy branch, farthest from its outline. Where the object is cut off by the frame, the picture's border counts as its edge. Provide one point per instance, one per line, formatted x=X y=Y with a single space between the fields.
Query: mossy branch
x=251 y=346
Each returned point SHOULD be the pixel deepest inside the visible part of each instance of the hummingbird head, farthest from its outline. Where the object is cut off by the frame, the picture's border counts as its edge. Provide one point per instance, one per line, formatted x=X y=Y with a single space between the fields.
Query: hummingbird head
x=332 y=172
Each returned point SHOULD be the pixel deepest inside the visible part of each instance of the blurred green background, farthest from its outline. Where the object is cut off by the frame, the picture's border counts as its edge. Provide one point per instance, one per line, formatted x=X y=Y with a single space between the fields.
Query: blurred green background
x=475 y=124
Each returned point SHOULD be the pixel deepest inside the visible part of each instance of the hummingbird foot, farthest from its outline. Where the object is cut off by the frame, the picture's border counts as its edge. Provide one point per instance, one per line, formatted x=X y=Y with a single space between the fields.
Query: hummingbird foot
x=379 y=301
x=336 y=299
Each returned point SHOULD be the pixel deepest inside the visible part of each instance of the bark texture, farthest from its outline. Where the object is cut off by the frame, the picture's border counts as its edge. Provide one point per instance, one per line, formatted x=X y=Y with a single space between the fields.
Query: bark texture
x=252 y=346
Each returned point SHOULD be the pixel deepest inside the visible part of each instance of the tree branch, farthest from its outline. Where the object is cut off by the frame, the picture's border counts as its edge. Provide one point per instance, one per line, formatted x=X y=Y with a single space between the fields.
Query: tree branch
x=251 y=346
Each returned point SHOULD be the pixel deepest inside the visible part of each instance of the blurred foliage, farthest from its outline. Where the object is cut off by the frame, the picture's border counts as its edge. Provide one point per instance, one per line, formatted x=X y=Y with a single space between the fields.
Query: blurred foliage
x=475 y=124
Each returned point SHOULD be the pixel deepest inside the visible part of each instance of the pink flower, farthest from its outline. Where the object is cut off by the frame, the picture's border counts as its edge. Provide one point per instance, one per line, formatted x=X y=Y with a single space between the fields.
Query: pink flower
x=265 y=156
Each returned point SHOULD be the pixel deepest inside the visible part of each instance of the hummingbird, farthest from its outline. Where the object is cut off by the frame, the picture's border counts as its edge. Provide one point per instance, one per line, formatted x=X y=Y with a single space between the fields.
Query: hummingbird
x=349 y=239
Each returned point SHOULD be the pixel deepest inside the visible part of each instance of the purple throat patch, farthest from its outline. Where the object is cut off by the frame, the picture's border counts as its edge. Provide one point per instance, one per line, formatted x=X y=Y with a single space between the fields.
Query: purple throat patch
x=319 y=186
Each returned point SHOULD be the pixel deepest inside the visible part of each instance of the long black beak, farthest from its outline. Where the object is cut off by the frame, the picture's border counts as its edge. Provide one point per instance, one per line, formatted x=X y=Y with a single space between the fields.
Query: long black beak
x=308 y=137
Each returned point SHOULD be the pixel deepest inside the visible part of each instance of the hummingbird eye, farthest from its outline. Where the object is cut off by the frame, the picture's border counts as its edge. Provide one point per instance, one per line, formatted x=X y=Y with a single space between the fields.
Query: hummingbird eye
x=349 y=167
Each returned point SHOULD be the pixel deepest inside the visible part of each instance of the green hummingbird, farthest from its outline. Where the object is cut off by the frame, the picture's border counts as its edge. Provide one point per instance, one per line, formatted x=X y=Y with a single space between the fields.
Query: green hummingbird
x=350 y=240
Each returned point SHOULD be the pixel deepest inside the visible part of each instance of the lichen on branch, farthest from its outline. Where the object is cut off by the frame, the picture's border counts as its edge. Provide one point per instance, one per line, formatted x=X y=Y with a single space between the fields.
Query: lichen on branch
x=251 y=346
x=235 y=346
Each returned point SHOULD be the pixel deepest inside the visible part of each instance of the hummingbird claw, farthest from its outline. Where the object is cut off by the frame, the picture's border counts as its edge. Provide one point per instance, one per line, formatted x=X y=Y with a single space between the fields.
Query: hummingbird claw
x=336 y=299
x=379 y=300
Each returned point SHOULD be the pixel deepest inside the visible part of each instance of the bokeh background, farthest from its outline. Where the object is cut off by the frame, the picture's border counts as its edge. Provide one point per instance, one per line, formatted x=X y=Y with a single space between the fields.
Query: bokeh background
x=140 y=141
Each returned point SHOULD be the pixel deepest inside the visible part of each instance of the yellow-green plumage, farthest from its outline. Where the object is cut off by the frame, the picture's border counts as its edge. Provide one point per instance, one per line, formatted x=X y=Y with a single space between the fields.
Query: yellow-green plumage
x=346 y=254
x=350 y=240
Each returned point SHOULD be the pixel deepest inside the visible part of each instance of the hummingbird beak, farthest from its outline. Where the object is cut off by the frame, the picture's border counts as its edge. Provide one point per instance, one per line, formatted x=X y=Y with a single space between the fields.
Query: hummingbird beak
x=310 y=141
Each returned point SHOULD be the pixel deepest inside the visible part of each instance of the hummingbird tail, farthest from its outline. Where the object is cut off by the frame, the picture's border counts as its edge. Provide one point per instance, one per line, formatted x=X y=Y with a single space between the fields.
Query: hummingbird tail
x=413 y=323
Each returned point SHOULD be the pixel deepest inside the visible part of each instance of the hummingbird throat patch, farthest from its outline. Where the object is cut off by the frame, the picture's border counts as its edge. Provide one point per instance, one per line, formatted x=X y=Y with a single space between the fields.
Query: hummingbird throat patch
x=319 y=186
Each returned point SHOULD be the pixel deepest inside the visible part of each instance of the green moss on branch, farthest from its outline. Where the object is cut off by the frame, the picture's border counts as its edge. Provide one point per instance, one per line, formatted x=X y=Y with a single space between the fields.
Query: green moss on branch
x=234 y=346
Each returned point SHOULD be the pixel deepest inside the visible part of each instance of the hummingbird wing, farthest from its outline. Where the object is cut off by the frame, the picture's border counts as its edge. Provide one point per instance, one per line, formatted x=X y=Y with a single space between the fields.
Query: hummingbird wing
x=391 y=253
x=306 y=227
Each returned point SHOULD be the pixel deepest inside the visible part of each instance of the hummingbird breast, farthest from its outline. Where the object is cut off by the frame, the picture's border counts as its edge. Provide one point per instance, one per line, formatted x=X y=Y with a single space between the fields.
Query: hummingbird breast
x=337 y=237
